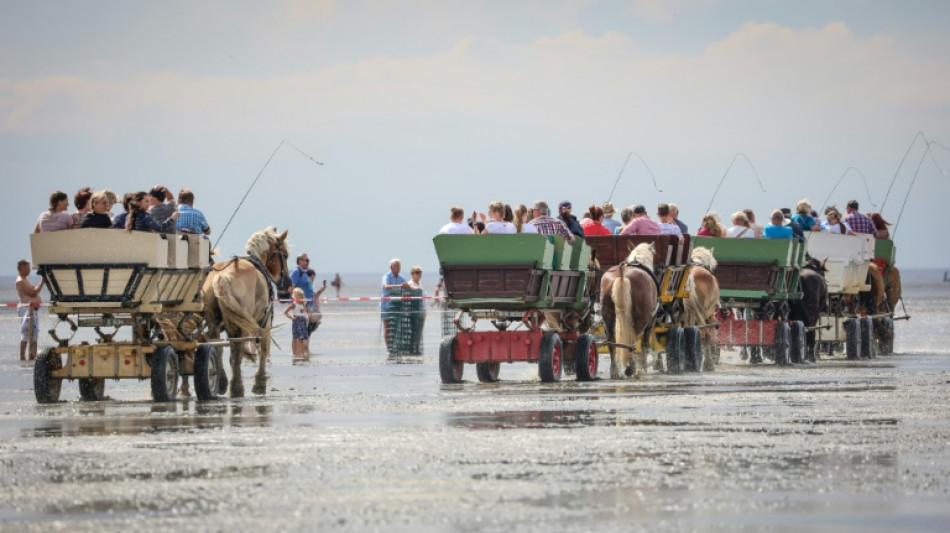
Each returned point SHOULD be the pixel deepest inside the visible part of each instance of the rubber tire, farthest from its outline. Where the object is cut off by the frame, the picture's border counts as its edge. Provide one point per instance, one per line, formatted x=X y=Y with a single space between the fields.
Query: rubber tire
x=852 y=343
x=887 y=347
x=487 y=372
x=675 y=350
x=550 y=358
x=797 y=346
x=586 y=357
x=780 y=348
x=164 y=374
x=692 y=349
x=867 y=338
x=449 y=369
x=206 y=373
x=45 y=387
x=92 y=389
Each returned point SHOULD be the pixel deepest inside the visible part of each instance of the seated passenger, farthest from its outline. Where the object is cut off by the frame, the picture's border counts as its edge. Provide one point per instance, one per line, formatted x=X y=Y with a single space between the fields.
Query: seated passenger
x=139 y=220
x=455 y=225
x=496 y=210
x=626 y=217
x=594 y=225
x=881 y=225
x=99 y=217
x=81 y=201
x=56 y=218
x=157 y=208
x=797 y=230
x=549 y=226
x=119 y=221
x=777 y=229
x=803 y=217
x=740 y=227
x=668 y=225
x=834 y=223
x=190 y=220
x=641 y=224
x=522 y=218
x=750 y=216
x=711 y=226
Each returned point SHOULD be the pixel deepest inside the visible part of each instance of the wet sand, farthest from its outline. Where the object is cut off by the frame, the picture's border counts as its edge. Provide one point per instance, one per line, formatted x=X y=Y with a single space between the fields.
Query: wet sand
x=357 y=442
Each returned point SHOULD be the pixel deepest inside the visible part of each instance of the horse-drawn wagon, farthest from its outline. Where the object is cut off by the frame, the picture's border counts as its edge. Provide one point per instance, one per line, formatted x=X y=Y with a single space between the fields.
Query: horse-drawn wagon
x=535 y=292
x=670 y=270
x=106 y=280
x=845 y=260
x=758 y=283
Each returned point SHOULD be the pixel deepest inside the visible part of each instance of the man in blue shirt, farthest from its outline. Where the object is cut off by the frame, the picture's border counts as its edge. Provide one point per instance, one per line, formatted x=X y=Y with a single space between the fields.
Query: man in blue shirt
x=190 y=220
x=392 y=280
x=299 y=278
x=777 y=229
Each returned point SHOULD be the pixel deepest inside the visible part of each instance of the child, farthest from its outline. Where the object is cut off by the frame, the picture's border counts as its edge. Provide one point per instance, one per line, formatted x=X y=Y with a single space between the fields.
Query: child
x=297 y=311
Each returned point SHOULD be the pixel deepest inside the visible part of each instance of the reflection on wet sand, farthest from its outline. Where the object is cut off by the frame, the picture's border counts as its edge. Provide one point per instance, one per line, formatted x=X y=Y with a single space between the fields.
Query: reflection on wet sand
x=105 y=418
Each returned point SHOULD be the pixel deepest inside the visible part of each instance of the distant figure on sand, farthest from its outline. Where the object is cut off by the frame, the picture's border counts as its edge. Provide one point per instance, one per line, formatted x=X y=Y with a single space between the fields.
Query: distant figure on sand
x=27 y=309
x=337 y=283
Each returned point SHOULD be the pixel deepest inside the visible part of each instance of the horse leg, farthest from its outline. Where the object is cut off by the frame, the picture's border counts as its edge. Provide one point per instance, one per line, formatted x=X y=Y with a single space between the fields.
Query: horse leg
x=614 y=366
x=260 y=378
x=237 y=356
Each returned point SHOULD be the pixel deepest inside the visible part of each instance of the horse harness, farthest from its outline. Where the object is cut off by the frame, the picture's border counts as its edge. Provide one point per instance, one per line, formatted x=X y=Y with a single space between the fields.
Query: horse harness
x=648 y=270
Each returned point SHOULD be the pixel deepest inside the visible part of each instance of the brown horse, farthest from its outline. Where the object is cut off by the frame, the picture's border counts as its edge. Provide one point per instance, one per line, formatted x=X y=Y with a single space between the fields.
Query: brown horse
x=703 y=300
x=628 y=299
x=238 y=299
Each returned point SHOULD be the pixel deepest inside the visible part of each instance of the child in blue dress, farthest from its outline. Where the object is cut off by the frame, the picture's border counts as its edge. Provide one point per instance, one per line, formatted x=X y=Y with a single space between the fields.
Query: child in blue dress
x=299 y=314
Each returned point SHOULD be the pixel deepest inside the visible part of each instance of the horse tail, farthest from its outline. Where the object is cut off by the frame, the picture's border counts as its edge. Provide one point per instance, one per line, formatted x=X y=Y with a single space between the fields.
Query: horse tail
x=623 y=324
x=691 y=305
x=233 y=312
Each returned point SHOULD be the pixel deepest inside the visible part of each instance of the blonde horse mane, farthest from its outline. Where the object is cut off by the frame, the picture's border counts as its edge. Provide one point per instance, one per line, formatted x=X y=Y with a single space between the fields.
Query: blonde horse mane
x=704 y=256
x=259 y=243
x=642 y=254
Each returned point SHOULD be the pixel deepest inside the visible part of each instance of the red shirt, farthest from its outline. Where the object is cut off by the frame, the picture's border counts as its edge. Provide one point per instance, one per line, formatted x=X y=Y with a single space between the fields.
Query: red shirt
x=594 y=228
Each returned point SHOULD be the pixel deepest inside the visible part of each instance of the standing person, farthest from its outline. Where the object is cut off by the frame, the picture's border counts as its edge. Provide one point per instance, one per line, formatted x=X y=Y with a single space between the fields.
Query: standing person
x=158 y=209
x=419 y=312
x=337 y=283
x=190 y=220
x=316 y=317
x=549 y=226
x=594 y=225
x=299 y=278
x=81 y=201
x=298 y=313
x=392 y=280
x=641 y=224
x=569 y=220
x=609 y=221
x=28 y=309
x=675 y=213
x=858 y=222
x=56 y=218
x=454 y=227
x=667 y=226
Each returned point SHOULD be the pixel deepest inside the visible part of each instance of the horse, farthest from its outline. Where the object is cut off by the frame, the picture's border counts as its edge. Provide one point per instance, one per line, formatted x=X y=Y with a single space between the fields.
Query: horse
x=700 y=307
x=628 y=300
x=238 y=299
x=814 y=301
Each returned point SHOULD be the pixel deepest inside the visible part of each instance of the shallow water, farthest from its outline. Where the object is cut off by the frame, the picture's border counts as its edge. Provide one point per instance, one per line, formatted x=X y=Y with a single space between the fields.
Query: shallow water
x=356 y=441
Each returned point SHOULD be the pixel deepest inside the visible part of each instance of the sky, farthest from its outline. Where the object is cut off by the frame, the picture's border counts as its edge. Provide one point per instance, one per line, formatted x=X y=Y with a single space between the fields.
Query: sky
x=416 y=106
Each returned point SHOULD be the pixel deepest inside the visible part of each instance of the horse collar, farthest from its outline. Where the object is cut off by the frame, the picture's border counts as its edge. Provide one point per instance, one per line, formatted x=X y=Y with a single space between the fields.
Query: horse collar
x=648 y=270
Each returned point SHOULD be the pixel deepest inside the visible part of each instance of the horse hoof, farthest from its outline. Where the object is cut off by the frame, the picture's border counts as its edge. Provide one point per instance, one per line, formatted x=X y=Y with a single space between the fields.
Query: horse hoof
x=259 y=390
x=237 y=392
x=628 y=371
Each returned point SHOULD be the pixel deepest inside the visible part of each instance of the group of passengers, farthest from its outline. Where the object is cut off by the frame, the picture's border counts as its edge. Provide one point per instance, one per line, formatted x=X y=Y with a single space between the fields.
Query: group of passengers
x=143 y=211
x=598 y=220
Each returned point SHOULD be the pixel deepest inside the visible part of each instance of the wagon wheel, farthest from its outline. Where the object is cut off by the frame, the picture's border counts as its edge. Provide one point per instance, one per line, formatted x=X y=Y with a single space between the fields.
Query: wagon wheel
x=206 y=372
x=449 y=368
x=164 y=373
x=45 y=387
x=586 y=357
x=692 y=349
x=780 y=348
x=92 y=389
x=675 y=350
x=798 y=349
x=550 y=358
x=487 y=372
x=867 y=337
x=852 y=343
x=885 y=336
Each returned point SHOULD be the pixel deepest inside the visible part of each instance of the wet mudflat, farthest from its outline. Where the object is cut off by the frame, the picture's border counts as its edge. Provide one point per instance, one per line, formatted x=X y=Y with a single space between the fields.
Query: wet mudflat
x=357 y=442
x=383 y=446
